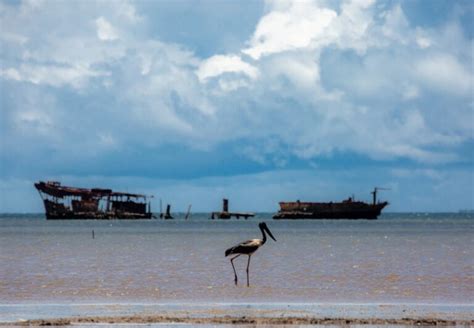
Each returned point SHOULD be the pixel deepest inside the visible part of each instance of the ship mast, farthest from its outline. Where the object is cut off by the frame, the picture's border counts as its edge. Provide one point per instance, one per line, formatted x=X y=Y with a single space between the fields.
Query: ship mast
x=374 y=194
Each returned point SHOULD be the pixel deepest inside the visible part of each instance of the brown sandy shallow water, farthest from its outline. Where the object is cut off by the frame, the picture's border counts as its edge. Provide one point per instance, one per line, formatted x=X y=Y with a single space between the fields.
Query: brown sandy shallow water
x=399 y=270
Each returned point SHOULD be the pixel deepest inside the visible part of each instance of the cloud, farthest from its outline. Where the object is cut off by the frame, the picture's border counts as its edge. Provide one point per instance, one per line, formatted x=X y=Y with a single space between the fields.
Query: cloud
x=314 y=79
x=52 y=75
x=290 y=27
x=94 y=89
x=105 y=30
x=396 y=24
x=423 y=40
x=220 y=64
x=446 y=74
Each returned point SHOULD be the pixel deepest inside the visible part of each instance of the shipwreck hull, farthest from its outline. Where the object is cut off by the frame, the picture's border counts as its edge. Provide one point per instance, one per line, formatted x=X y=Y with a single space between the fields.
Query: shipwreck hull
x=345 y=210
x=70 y=203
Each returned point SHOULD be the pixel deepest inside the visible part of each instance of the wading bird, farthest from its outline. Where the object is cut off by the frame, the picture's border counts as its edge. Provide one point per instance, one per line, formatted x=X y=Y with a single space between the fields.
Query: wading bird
x=248 y=248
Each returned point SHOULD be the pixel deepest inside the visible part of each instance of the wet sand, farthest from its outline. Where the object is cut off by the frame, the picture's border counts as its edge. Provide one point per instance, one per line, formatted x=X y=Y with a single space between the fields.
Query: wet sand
x=229 y=320
x=242 y=314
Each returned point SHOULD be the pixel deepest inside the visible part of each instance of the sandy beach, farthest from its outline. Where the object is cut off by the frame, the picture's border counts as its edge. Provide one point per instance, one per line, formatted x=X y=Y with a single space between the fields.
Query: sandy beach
x=246 y=314
x=245 y=321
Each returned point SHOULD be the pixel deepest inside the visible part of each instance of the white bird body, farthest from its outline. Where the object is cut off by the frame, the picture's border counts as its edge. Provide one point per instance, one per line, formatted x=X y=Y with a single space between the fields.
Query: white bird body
x=253 y=243
x=248 y=248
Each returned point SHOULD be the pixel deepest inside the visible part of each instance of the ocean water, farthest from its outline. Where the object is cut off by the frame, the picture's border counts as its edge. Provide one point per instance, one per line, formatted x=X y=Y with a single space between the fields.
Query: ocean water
x=419 y=259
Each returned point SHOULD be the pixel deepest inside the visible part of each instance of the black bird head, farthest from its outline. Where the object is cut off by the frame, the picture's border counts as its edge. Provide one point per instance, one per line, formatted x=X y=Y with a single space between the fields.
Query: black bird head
x=263 y=227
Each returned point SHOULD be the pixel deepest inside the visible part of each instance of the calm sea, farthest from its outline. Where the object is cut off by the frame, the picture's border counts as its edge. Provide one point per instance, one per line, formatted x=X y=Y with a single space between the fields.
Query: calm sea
x=398 y=259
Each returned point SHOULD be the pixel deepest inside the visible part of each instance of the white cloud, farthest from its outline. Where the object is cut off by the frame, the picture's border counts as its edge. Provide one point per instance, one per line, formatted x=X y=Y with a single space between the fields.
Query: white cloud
x=127 y=10
x=352 y=28
x=423 y=39
x=290 y=28
x=220 y=64
x=423 y=42
x=11 y=74
x=445 y=73
x=228 y=85
x=52 y=75
x=396 y=25
x=282 y=86
x=302 y=70
x=105 y=30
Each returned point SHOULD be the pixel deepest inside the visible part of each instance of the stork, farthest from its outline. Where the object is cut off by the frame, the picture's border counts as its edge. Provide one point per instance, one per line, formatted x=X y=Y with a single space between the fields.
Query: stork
x=248 y=248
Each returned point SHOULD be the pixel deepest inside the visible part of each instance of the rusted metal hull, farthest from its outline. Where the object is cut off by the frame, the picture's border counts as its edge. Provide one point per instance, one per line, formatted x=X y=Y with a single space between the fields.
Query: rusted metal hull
x=342 y=210
x=70 y=203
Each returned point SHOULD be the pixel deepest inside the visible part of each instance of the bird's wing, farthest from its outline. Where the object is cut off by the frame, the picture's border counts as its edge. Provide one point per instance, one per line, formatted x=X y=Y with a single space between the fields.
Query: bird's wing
x=244 y=248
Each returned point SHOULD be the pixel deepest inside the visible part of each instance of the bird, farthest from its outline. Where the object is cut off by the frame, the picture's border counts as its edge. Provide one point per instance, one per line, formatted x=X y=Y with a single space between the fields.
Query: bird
x=248 y=248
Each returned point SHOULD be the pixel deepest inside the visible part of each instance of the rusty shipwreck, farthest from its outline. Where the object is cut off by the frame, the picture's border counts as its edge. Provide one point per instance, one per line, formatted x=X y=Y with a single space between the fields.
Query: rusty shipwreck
x=347 y=209
x=64 y=203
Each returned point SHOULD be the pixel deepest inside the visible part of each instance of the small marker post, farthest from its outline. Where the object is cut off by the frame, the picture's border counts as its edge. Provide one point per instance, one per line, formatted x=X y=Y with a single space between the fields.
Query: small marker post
x=188 y=212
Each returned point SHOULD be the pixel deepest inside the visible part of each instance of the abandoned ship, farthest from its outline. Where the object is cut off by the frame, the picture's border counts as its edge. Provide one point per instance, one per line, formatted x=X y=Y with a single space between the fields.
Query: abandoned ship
x=347 y=209
x=225 y=214
x=64 y=203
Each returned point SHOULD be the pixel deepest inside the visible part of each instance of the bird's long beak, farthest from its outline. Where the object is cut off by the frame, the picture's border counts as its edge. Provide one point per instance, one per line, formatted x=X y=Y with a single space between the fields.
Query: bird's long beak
x=269 y=233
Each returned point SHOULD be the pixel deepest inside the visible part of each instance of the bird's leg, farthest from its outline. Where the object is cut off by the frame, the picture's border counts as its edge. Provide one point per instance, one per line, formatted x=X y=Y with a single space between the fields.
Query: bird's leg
x=235 y=273
x=248 y=265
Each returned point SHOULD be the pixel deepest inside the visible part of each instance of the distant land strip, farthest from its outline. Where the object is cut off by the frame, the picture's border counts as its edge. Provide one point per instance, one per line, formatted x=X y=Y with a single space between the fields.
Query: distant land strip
x=241 y=320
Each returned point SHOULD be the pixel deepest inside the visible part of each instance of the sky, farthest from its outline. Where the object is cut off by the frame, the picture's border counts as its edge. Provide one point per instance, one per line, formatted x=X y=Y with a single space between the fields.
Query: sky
x=257 y=101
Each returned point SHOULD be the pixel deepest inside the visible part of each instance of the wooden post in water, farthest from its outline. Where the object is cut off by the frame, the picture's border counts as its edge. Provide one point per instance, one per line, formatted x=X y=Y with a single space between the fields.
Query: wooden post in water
x=225 y=205
x=161 y=209
x=188 y=212
x=168 y=212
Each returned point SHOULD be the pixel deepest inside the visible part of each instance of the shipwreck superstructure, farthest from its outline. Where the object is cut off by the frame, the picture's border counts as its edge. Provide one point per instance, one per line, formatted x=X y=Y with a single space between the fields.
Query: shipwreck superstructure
x=225 y=214
x=347 y=209
x=62 y=203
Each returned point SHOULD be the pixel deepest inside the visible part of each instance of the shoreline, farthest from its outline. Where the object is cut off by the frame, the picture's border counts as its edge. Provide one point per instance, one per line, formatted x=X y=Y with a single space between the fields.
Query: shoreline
x=202 y=313
x=242 y=320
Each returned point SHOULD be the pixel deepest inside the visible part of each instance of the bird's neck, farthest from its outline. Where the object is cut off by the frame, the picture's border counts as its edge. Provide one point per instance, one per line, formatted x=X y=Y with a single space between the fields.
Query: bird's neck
x=264 y=235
